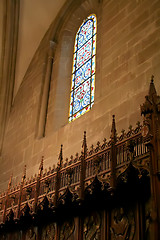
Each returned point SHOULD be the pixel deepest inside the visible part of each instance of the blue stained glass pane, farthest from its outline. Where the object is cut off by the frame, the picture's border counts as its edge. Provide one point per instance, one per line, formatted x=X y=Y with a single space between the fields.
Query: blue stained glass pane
x=81 y=96
x=94 y=45
x=93 y=65
x=84 y=53
x=85 y=33
x=91 y=22
x=84 y=110
x=83 y=71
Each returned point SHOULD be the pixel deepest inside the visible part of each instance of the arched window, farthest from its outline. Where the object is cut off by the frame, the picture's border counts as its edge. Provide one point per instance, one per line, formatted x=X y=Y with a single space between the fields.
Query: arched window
x=83 y=71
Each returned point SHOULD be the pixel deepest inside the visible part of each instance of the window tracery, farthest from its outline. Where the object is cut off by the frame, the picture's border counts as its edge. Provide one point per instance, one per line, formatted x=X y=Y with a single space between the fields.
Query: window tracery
x=83 y=71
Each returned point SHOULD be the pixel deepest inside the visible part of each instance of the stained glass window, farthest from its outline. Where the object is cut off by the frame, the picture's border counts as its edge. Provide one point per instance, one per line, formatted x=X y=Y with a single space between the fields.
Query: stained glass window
x=83 y=71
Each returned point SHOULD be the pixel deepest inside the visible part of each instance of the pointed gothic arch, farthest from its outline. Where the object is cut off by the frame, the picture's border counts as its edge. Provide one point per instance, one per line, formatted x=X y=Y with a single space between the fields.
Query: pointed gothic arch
x=83 y=71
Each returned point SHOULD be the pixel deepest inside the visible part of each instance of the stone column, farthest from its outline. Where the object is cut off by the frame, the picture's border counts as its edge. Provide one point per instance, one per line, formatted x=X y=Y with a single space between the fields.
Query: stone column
x=45 y=91
x=8 y=61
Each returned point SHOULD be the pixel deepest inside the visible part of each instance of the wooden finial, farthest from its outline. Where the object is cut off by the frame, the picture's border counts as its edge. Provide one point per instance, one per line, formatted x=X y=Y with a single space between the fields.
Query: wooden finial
x=10 y=181
x=84 y=144
x=41 y=166
x=122 y=131
x=151 y=100
x=152 y=78
x=113 y=153
x=113 y=129
x=60 y=158
x=83 y=166
x=113 y=121
x=84 y=140
x=24 y=173
x=152 y=90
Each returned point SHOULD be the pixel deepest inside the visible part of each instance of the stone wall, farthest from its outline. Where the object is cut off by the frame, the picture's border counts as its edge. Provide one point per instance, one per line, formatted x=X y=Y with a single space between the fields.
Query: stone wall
x=128 y=53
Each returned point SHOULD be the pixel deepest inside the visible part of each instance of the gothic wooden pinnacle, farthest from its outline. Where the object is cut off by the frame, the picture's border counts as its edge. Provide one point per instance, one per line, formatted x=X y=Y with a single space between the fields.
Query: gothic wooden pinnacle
x=113 y=130
x=152 y=99
x=10 y=182
x=60 y=158
x=84 y=144
x=152 y=90
x=41 y=166
x=113 y=153
x=24 y=173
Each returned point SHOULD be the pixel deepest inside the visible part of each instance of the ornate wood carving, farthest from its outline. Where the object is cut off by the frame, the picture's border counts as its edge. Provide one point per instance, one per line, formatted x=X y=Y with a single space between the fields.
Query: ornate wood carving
x=82 y=180
x=83 y=166
x=151 y=112
x=57 y=184
x=20 y=192
x=10 y=216
x=113 y=153
x=38 y=184
x=48 y=232
x=96 y=180
x=6 y=200
x=123 y=227
x=67 y=230
x=92 y=227
x=28 y=193
x=30 y=234
x=25 y=211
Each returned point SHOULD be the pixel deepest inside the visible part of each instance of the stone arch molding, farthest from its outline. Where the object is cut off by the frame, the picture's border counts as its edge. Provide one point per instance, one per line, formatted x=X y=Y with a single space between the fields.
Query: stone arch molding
x=57 y=92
